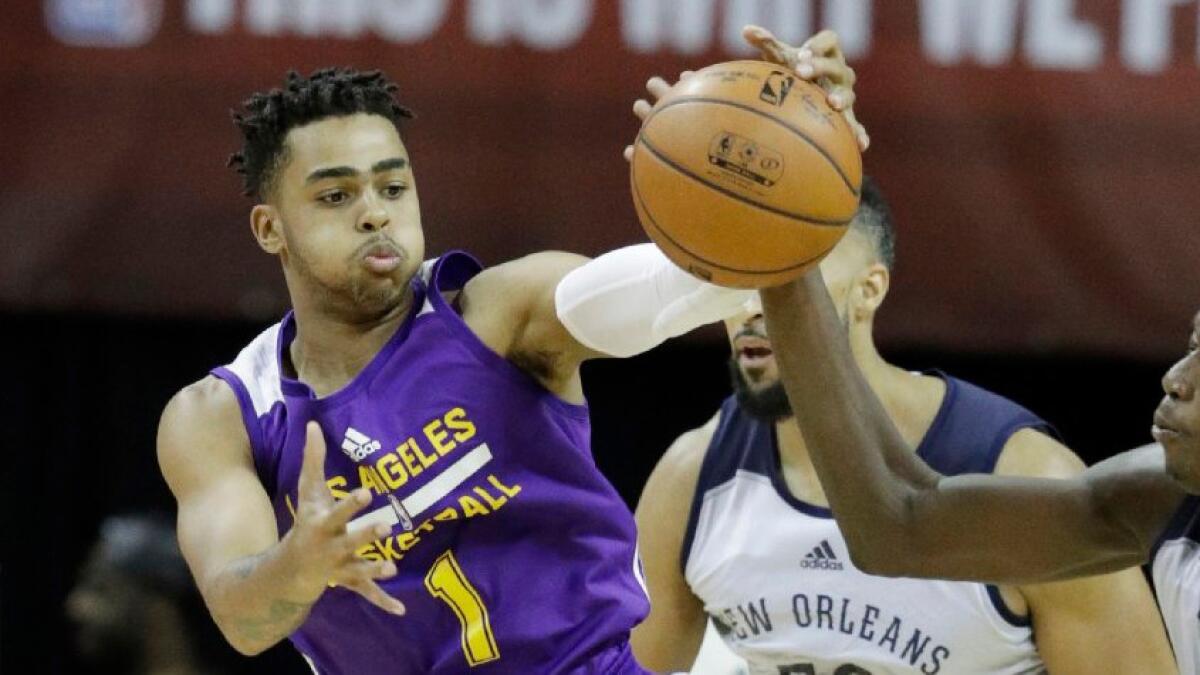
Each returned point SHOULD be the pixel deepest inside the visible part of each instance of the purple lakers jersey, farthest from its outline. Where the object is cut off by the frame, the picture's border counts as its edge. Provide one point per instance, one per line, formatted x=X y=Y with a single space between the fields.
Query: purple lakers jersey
x=515 y=555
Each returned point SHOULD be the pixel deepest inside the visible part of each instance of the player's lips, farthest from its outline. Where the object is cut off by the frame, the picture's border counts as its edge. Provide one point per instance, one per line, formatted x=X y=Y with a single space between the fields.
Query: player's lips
x=1164 y=429
x=752 y=351
x=382 y=258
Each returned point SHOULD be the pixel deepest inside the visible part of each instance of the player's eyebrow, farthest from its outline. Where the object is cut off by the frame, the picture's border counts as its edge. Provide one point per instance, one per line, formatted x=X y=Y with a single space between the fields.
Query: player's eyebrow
x=331 y=172
x=382 y=165
x=389 y=164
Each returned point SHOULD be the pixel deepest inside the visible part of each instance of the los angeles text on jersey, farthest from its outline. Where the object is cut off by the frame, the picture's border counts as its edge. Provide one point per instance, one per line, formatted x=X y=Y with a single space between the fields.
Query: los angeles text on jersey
x=819 y=612
x=440 y=442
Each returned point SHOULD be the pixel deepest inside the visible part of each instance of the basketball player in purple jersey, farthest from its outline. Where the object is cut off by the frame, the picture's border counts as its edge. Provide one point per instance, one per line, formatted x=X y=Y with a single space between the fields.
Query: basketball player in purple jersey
x=457 y=521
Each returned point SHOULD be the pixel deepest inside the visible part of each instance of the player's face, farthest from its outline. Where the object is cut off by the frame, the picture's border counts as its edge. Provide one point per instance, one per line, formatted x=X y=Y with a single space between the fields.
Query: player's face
x=1177 y=420
x=752 y=367
x=350 y=220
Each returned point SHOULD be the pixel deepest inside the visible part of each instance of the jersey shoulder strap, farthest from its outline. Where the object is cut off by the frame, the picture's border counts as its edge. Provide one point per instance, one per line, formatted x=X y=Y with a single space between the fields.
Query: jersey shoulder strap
x=971 y=428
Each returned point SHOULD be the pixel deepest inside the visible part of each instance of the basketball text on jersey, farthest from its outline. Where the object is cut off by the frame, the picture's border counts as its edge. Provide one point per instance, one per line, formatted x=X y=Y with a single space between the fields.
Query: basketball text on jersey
x=874 y=626
x=442 y=444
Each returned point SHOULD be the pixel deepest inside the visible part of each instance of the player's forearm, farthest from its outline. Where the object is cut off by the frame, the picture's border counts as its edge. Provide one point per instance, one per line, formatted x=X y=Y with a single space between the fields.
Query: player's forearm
x=900 y=517
x=867 y=470
x=259 y=600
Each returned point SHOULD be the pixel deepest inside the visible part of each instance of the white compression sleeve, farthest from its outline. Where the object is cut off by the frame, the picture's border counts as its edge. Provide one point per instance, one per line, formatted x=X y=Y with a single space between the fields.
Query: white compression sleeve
x=631 y=299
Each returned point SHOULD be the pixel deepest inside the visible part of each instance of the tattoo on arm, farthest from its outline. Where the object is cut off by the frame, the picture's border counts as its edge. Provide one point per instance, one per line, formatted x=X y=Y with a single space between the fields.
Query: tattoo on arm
x=282 y=617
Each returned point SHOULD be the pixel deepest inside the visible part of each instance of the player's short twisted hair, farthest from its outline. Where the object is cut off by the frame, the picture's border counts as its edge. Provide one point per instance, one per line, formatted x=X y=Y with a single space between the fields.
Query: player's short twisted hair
x=874 y=219
x=267 y=117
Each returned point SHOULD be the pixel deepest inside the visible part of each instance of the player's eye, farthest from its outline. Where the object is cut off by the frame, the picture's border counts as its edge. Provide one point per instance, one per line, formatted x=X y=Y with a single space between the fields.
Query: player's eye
x=394 y=190
x=333 y=197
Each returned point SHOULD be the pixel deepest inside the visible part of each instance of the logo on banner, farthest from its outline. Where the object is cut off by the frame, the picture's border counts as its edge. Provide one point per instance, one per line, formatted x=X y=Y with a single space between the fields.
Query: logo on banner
x=104 y=23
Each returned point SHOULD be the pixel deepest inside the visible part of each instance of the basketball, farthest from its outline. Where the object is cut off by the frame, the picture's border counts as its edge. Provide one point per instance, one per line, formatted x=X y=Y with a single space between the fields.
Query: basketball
x=744 y=176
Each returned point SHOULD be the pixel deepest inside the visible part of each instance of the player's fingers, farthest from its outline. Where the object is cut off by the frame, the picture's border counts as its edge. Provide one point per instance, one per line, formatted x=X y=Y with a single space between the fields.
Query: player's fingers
x=841 y=98
x=377 y=596
x=769 y=46
x=657 y=87
x=628 y=154
x=835 y=70
x=356 y=571
x=311 y=487
x=344 y=510
x=359 y=537
x=641 y=108
x=685 y=75
x=860 y=132
x=825 y=43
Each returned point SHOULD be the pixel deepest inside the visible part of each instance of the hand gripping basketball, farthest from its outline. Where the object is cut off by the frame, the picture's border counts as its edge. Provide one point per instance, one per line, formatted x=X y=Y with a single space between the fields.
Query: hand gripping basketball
x=819 y=60
x=322 y=545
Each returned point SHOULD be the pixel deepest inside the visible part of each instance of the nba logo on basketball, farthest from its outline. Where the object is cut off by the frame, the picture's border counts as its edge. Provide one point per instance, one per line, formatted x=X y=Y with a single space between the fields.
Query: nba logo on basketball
x=776 y=88
x=103 y=23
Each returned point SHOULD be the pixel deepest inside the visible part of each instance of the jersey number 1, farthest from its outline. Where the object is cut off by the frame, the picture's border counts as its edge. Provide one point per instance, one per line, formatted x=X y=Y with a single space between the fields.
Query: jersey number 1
x=446 y=581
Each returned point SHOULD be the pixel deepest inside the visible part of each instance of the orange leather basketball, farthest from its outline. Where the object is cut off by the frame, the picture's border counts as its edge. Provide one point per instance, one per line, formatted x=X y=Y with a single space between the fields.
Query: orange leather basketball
x=744 y=176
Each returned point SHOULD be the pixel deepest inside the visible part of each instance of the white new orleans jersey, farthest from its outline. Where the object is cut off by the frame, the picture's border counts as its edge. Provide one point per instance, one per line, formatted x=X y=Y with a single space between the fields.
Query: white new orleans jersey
x=776 y=578
x=1176 y=569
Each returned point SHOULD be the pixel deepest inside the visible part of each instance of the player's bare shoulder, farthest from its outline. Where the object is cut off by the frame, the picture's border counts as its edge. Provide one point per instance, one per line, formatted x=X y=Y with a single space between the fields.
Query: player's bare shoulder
x=510 y=307
x=674 y=478
x=200 y=430
x=1032 y=453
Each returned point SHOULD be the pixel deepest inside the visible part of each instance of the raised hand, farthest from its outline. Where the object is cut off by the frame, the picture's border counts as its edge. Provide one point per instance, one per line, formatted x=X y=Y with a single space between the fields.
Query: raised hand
x=819 y=60
x=657 y=87
x=322 y=544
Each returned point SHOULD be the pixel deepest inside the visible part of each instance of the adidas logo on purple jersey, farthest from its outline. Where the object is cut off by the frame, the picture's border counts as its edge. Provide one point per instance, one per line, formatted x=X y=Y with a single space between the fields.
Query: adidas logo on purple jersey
x=358 y=445
x=822 y=557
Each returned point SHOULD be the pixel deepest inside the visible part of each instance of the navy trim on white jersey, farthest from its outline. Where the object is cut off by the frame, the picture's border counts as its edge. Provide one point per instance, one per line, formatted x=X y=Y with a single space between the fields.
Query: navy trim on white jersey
x=967 y=435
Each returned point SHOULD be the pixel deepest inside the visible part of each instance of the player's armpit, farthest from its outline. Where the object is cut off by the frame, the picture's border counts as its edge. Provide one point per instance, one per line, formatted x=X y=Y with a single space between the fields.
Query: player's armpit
x=670 y=637
x=510 y=307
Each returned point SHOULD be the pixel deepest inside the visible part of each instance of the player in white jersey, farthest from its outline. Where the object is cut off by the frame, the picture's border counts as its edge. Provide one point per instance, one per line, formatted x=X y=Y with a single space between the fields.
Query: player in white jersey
x=900 y=516
x=734 y=526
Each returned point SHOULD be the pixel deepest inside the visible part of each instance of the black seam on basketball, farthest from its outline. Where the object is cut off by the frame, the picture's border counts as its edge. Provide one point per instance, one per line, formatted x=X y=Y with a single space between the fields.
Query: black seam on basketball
x=650 y=217
x=796 y=130
x=733 y=195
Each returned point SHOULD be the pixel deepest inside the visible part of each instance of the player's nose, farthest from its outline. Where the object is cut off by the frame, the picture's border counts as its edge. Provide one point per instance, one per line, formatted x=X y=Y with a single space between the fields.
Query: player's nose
x=375 y=217
x=1176 y=383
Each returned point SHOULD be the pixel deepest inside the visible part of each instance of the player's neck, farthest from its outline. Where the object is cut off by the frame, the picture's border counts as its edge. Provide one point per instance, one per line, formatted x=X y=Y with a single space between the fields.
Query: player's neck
x=911 y=401
x=329 y=350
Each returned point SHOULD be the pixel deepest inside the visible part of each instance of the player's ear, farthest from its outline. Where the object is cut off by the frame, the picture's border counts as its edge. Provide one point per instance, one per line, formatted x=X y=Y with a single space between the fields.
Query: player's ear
x=871 y=289
x=265 y=224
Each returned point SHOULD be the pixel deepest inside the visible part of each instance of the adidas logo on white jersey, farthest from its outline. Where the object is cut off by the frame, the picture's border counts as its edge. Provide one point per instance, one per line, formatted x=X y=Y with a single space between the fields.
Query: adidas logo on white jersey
x=822 y=557
x=358 y=445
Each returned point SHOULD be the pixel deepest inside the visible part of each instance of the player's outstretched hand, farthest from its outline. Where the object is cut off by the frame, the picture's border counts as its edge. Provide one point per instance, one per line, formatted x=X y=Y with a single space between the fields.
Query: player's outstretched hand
x=819 y=60
x=657 y=87
x=323 y=546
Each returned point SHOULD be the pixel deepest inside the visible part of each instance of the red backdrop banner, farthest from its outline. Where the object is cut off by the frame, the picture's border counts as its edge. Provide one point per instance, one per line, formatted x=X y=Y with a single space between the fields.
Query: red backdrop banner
x=1041 y=155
